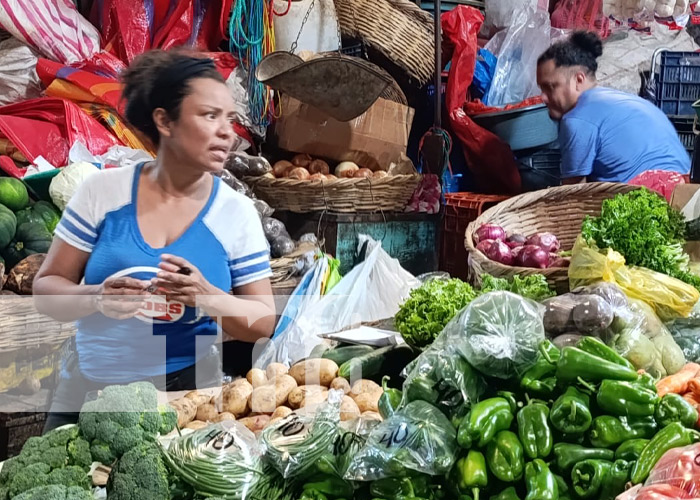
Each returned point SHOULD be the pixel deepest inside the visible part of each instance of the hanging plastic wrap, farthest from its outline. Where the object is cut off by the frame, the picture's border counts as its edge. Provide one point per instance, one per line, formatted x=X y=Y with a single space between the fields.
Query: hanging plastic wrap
x=295 y=444
x=223 y=459
x=418 y=437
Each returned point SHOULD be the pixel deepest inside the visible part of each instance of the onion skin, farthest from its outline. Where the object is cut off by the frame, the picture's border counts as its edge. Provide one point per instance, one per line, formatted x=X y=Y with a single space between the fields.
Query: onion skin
x=547 y=241
x=500 y=252
x=490 y=232
x=484 y=246
x=533 y=256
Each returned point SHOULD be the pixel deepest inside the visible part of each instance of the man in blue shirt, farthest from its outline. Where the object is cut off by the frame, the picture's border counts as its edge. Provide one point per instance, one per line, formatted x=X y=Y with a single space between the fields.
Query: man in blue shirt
x=604 y=134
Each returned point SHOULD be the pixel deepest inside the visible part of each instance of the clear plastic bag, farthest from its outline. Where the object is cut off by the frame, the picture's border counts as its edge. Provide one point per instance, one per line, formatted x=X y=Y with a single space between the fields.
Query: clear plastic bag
x=222 y=459
x=498 y=333
x=418 y=437
x=242 y=164
x=295 y=444
x=264 y=210
x=351 y=438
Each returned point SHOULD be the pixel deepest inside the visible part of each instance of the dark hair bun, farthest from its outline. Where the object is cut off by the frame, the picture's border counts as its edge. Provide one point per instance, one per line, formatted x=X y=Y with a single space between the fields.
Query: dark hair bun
x=588 y=42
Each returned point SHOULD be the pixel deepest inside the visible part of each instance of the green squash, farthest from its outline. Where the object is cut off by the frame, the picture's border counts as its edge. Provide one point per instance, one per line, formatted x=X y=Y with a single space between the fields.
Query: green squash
x=8 y=226
x=13 y=193
x=31 y=238
x=41 y=212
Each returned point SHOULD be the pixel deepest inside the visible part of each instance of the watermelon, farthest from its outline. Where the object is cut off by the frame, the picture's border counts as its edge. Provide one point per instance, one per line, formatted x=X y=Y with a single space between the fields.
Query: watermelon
x=31 y=238
x=13 y=193
x=8 y=226
x=41 y=212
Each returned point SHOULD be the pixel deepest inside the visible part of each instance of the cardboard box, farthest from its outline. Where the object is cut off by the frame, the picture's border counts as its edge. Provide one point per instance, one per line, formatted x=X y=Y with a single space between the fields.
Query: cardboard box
x=374 y=139
x=682 y=194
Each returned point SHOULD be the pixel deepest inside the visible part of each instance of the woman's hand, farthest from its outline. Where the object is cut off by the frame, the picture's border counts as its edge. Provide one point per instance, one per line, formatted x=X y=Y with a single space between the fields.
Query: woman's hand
x=181 y=281
x=121 y=298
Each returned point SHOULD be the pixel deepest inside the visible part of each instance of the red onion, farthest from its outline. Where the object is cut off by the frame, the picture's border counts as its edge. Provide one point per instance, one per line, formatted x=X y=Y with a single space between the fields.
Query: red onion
x=516 y=251
x=489 y=232
x=515 y=244
x=533 y=256
x=499 y=252
x=484 y=246
x=547 y=241
x=516 y=238
x=556 y=261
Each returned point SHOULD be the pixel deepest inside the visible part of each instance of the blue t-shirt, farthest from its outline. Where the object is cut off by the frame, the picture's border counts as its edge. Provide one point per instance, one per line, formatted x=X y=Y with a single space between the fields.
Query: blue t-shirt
x=614 y=136
x=225 y=242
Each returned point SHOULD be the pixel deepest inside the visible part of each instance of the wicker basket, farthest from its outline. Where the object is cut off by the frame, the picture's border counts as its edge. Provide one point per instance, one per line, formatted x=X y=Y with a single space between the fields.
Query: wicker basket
x=559 y=210
x=22 y=327
x=389 y=194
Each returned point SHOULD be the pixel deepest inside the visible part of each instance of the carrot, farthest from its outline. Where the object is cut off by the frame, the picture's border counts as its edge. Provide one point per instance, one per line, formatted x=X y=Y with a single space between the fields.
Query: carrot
x=678 y=383
x=694 y=387
x=691 y=398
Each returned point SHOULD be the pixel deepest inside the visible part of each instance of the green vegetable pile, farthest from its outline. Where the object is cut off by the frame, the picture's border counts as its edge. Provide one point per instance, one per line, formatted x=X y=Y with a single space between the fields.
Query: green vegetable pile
x=431 y=306
x=645 y=230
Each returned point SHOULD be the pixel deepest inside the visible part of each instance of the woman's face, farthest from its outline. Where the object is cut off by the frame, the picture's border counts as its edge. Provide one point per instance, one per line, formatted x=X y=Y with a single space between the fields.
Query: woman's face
x=203 y=134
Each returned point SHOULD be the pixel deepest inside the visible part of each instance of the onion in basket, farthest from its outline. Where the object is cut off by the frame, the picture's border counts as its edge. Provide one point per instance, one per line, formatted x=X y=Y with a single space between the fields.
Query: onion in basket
x=500 y=252
x=533 y=256
x=489 y=232
x=299 y=173
x=346 y=169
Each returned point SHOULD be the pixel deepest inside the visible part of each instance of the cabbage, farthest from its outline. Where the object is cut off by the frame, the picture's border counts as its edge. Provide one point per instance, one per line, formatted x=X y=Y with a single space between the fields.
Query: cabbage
x=67 y=181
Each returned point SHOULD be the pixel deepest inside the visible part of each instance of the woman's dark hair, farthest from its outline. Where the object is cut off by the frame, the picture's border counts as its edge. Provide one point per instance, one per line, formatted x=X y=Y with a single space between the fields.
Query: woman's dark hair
x=160 y=79
x=581 y=49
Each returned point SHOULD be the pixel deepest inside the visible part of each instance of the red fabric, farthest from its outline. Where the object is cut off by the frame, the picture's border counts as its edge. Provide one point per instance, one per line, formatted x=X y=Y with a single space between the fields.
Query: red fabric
x=48 y=127
x=581 y=14
x=488 y=157
x=660 y=181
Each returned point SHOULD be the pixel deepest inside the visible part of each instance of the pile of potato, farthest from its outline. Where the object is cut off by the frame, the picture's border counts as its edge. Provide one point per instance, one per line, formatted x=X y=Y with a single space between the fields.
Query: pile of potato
x=266 y=396
x=303 y=167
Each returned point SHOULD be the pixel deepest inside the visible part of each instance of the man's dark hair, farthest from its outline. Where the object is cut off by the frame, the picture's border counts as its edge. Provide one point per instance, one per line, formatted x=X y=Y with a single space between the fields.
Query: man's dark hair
x=581 y=49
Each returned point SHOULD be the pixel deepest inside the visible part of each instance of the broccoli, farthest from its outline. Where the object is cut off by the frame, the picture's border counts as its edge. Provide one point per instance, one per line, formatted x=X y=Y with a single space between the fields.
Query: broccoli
x=79 y=453
x=61 y=437
x=11 y=467
x=70 y=476
x=29 y=477
x=122 y=417
x=139 y=473
x=55 y=492
x=168 y=417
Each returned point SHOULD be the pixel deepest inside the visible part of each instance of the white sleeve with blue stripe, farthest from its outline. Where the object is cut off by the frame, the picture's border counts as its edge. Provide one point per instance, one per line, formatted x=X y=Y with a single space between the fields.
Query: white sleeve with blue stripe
x=79 y=222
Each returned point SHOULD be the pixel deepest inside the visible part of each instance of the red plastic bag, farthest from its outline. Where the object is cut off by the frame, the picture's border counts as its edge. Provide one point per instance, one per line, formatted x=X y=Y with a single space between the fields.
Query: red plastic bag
x=581 y=14
x=48 y=127
x=660 y=181
x=131 y=27
x=488 y=157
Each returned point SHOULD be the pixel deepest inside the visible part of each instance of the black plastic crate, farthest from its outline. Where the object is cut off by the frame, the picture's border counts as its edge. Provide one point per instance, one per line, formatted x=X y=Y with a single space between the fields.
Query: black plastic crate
x=684 y=128
x=678 y=82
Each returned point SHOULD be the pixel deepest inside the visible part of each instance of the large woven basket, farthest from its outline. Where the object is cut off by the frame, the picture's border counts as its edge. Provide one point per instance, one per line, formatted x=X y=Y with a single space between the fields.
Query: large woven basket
x=389 y=194
x=558 y=210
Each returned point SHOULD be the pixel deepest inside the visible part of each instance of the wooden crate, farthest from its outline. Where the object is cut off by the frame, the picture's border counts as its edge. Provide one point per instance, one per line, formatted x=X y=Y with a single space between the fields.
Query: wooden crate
x=21 y=417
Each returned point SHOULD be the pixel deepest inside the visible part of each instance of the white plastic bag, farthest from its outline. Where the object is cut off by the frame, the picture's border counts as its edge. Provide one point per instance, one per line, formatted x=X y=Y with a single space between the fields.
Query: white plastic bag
x=500 y=13
x=18 y=78
x=116 y=156
x=372 y=291
x=54 y=27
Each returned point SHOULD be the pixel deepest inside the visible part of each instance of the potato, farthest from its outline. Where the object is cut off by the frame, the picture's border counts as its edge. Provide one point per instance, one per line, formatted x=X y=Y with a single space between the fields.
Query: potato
x=236 y=399
x=256 y=377
x=199 y=398
x=362 y=386
x=224 y=416
x=371 y=415
x=263 y=399
x=186 y=411
x=274 y=369
x=206 y=412
x=348 y=409
x=297 y=395
x=315 y=372
x=368 y=401
x=341 y=384
x=281 y=412
x=196 y=425
x=257 y=423
x=239 y=382
x=314 y=399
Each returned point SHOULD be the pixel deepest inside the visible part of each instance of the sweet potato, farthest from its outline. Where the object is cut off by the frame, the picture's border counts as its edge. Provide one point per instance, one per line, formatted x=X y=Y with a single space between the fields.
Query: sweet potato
x=314 y=372
x=275 y=369
x=256 y=377
x=298 y=394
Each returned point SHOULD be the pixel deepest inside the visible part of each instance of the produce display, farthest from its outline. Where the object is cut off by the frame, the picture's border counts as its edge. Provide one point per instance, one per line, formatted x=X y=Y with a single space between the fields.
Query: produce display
x=541 y=250
x=303 y=167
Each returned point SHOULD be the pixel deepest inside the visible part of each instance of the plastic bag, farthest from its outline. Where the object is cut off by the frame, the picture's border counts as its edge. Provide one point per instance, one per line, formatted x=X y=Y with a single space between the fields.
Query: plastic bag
x=242 y=164
x=295 y=444
x=581 y=14
x=483 y=75
x=500 y=14
x=222 y=459
x=351 y=438
x=515 y=77
x=498 y=333
x=54 y=27
x=418 y=437
x=676 y=476
x=18 y=78
x=670 y=298
x=116 y=156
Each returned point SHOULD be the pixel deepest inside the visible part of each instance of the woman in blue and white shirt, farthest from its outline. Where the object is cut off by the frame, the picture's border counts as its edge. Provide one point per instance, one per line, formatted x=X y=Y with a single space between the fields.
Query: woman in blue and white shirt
x=145 y=257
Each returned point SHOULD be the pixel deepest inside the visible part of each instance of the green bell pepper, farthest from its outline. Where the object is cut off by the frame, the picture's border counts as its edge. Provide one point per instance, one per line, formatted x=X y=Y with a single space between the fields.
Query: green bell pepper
x=312 y=495
x=647 y=381
x=540 y=482
x=608 y=431
x=511 y=398
x=575 y=363
x=597 y=347
x=391 y=487
x=673 y=435
x=588 y=477
x=615 y=484
x=485 y=419
x=630 y=450
x=567 y=455
x=673 y=408
x=570 y=413
x=504 y=455
x=508 y=494
x=470 y=474
x=539 y=380
x=421 y=388
x=562 y=485
x=533 y=430
x=390 y=399
x=626 y=399
x=329 y=485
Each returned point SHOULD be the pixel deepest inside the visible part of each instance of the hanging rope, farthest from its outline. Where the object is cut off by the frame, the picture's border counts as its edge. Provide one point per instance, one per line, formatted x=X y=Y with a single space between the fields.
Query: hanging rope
x=446 y=149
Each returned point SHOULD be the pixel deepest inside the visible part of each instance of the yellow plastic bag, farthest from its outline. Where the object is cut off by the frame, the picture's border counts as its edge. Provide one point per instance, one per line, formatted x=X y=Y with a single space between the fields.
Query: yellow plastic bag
x=669 y=297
